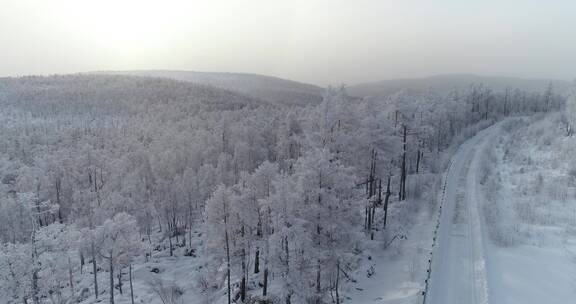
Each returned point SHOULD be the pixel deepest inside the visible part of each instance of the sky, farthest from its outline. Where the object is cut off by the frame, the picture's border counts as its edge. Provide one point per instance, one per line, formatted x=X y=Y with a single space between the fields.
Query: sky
x=321 y=42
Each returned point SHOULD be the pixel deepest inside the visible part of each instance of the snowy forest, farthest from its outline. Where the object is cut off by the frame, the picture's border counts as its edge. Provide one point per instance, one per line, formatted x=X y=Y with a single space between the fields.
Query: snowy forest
x=132 y=189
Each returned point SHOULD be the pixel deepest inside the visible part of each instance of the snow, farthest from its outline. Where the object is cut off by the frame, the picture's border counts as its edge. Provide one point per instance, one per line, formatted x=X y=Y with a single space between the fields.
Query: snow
x=180 y=273
x=528 y=274
x=468 y=266
x=458 y=264
x=142 y=173
x=535 y=262
x=401 y=270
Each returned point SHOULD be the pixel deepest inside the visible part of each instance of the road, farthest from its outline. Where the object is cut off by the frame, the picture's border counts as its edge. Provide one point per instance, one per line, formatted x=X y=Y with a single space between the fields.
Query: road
x=459 y=272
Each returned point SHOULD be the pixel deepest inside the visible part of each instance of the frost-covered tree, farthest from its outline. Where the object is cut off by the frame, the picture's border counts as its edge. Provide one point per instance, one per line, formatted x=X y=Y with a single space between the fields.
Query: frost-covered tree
x=118 y=243
x=15 y=277
x=327 y=208
x=57 y=253
x=571 y=110
x=97 y=163
x=219 y=227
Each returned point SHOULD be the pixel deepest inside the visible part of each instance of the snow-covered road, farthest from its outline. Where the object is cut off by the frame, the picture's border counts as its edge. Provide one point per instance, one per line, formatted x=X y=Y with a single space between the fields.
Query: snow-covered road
x=458 y=273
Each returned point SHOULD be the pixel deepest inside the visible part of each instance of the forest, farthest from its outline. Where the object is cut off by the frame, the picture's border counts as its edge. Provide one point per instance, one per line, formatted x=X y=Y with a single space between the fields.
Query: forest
x=275 y=202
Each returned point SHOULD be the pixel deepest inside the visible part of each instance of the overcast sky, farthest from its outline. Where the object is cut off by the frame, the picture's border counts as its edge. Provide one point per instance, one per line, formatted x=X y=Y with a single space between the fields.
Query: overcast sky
x=322 y=42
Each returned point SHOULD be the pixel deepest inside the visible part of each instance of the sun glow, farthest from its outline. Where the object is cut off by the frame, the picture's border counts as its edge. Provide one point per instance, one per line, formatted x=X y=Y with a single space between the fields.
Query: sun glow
x=120 y=25
x=137 y=33
x=321 y=41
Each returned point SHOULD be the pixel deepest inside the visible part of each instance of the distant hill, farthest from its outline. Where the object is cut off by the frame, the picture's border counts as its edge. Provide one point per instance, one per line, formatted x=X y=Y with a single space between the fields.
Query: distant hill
x=272 y=89
x=118 y=95
x=446 y=83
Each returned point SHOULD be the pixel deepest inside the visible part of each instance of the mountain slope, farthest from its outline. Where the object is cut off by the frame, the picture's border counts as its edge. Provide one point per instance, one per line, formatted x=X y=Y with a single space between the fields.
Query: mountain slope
x=273 y=89
x=446 y=83
x=117 y=94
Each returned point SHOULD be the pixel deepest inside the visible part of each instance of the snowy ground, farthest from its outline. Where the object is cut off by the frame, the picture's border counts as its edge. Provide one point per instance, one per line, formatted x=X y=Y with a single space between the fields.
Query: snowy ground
x=399 y=273
x=458 y=261
x=506 y=231
x=161 y=280
x=530 y=209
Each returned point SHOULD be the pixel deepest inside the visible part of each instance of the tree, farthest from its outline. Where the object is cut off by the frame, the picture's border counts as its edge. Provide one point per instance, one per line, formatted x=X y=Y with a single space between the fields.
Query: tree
x=218 y=219
x=571 y=110
x=57 y=245
x=16 y=271
x=118 y=243
x=328 y=208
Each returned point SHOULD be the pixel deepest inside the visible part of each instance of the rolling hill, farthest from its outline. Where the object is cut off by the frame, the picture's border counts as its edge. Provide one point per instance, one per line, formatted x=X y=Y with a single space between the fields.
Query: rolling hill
x=272 y=89
x=448 y=82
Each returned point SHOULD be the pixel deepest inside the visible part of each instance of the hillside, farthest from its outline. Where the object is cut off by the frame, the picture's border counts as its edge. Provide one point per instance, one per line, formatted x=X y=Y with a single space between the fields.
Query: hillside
x=116 y=94
x=448 y=82
x=191 y=193
x=273 y=89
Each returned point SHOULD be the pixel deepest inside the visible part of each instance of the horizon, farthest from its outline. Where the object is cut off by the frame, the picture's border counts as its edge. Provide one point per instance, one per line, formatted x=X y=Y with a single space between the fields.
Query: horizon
x=374 y=81
x=318 y=42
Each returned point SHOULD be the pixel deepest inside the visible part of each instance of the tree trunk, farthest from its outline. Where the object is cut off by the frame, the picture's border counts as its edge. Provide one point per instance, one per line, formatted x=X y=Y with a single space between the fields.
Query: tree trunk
x=58 y=186
x=190 y=224
x=371 y=222
x=35 y=298
x=111 y=279
x=268 y=230
x=95 y=270
x=402 y=192
x=366 y=218
x=228 y=265
x=70 y=277
x=82 y=262
x=243 y=283
x=131 y=286
x=257 y=261
x=243 y=289
x=265 y=288
x=337 y=282
x=318 y=271
x=120 y=280
x=418 y=162
x=386 y=201
x=287 y=252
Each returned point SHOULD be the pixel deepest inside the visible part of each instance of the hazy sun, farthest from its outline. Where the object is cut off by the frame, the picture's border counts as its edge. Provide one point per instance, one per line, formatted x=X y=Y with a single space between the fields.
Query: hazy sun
x=123 y=24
